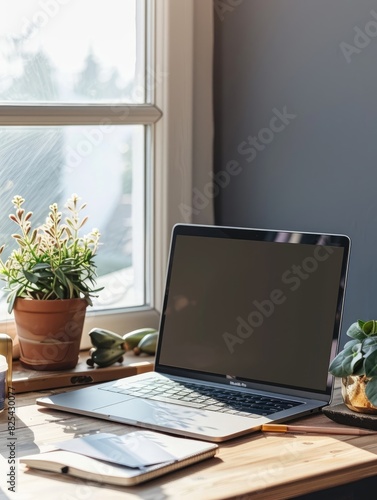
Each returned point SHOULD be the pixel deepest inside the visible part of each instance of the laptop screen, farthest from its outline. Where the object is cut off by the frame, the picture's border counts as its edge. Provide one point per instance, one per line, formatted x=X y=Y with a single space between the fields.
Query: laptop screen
x=253 y=306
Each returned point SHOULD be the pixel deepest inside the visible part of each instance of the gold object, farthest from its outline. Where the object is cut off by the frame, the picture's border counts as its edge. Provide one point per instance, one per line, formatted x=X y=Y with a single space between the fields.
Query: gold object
x=353 y=392
x=6 y=350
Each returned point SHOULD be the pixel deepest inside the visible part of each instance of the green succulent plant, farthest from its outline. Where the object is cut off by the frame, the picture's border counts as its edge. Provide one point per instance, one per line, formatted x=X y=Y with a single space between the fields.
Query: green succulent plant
x=52 y=261
x=359 y=356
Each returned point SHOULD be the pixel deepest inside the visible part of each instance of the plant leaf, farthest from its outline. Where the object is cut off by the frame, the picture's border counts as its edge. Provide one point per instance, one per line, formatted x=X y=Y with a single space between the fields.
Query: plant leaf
x=357 y=357
x=351 y=343
x=41 y=265
x=11 y=300
x=369 y=345
x=33 y=278
x=370 y=364
x=355 y=332
x=59 y=290
x=370 y=327
x=344 y=363
x=371 y=390
x=358 y=368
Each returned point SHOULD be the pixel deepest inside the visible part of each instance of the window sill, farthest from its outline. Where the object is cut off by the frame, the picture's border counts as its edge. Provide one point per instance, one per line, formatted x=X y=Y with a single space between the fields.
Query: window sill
x=119 y=322
x=24 y=380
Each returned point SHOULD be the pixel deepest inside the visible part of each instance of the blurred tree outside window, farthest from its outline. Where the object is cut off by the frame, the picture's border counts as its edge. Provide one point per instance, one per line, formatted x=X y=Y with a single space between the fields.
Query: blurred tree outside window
x=75 y=75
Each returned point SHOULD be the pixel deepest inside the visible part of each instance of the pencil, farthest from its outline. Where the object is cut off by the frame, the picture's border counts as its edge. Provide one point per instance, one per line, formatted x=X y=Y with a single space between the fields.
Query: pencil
x=307 y=429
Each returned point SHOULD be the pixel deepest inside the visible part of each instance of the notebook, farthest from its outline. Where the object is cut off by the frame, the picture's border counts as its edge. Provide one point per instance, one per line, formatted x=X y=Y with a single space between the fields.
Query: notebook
x=249 y=324
x=121 y=460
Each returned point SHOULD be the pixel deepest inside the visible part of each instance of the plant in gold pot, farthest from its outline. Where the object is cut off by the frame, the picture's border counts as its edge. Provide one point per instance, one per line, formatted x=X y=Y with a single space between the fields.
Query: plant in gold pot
x=50 y=280
x=356 y=364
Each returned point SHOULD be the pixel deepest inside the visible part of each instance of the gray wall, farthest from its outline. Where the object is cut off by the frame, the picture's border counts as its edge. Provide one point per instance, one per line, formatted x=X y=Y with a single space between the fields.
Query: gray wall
x=316 y=170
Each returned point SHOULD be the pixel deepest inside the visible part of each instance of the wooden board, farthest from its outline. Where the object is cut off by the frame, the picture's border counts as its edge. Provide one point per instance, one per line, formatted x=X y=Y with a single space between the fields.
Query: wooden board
x=25 y=380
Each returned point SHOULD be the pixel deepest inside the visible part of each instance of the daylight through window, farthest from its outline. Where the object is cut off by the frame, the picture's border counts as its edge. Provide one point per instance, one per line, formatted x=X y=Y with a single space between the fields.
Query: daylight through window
x=76 y=114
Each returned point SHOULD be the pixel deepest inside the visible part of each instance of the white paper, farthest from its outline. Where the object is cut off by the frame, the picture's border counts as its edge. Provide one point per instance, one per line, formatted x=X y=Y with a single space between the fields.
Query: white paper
x=131 y=450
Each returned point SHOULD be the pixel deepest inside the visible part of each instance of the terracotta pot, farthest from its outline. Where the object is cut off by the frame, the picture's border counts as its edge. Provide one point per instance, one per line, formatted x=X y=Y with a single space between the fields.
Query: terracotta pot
x=49 y=332
x=354 y=397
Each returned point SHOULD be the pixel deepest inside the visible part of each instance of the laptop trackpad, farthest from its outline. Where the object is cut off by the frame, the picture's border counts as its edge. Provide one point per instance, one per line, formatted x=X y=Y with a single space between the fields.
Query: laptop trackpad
x=167 y=416
x=87 y=399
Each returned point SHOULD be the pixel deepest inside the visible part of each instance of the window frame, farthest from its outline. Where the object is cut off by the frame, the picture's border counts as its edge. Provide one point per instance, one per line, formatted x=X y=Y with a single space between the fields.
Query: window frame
x=170 y=119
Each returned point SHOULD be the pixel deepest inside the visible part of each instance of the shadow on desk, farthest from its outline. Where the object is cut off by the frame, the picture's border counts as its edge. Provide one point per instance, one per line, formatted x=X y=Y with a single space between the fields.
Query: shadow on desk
x=351 y=491
x=25 y=447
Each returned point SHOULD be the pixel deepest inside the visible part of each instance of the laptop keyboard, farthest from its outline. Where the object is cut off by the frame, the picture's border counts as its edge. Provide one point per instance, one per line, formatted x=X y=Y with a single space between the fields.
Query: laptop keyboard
x=206 y=398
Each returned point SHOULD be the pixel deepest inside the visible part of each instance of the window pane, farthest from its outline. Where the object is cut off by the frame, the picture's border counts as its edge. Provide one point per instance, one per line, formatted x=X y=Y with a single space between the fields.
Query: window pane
x=72 y=51
x=105 y=167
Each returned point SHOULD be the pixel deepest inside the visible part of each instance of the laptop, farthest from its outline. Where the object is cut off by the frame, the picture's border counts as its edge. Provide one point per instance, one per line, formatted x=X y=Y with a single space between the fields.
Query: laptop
x=249 y=324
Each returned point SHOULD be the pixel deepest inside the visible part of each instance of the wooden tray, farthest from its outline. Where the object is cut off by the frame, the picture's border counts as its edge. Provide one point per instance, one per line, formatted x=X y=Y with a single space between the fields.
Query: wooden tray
x=25 y=380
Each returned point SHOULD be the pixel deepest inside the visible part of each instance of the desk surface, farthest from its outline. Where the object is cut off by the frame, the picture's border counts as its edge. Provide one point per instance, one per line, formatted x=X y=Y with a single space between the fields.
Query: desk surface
x=261 y=465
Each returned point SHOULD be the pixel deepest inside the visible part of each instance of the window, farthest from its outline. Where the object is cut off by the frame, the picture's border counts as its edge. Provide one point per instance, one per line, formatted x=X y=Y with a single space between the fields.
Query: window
x=75 y=76
x=97 y=98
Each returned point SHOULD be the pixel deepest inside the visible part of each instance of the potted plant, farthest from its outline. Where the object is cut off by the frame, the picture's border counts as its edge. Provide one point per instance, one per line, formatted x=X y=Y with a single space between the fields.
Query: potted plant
x=356 y=364
x=50 y=280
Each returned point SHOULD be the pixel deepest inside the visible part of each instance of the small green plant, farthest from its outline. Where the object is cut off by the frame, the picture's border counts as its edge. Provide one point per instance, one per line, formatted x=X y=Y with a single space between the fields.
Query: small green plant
x=51 y=261
x=359 y=356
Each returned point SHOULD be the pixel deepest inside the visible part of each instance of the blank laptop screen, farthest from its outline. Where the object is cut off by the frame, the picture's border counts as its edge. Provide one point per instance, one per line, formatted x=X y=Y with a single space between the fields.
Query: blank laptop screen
x=264 y=310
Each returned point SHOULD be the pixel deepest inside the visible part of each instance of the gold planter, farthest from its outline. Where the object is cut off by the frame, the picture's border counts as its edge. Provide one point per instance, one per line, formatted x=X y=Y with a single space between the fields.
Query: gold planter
x=353 y=392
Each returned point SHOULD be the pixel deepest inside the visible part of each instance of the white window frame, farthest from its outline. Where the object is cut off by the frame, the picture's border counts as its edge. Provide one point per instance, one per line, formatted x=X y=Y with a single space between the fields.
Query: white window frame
x=172 y=142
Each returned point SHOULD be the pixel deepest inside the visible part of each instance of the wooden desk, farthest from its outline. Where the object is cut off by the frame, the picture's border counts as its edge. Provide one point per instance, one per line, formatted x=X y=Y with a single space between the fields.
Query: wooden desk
x=259 y=466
